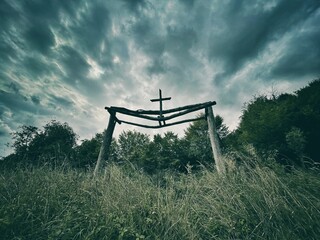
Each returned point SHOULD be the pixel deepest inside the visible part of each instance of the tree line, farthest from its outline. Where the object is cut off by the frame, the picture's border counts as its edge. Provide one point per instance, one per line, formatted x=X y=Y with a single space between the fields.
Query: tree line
x=286 y=125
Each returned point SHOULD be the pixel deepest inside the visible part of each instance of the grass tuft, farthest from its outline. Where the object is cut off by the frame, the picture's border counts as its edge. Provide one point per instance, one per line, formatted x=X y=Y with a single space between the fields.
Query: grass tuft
x=250 y=202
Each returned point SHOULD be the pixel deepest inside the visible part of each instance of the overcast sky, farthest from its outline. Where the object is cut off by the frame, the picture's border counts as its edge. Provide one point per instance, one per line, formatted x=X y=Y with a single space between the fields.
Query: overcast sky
x=67 y=60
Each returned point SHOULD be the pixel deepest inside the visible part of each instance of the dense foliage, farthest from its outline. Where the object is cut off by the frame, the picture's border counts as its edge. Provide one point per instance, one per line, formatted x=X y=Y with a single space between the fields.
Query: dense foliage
x=288 y=125
x=52 y=145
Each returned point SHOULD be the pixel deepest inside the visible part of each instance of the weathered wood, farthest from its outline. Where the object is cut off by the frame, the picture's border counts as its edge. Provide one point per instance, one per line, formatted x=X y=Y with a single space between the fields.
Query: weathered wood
x=183 y=110
x=160 y=100
x=220 y=165
x=161 y=126
x=107 y=136
x=156 y=112
x=106 y=142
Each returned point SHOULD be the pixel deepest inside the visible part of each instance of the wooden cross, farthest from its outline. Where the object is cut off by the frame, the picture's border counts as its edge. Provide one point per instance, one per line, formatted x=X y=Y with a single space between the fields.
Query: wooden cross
x=176 y=112
x=160 y=99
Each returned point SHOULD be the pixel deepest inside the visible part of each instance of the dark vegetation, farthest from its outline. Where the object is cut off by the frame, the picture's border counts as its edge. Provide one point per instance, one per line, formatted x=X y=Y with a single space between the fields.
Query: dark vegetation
x=165 y=187
x=288 y=126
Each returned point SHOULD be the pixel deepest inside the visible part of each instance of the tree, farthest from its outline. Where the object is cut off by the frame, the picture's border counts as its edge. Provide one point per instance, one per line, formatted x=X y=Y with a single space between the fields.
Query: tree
x=33 y=146
x=167 y=152
x=86 y=154
x=56 y=141
x=289 y=123
x=260 y=123
x=131 y=146
x=23 y=138
x=198 y=142
x=308 y=120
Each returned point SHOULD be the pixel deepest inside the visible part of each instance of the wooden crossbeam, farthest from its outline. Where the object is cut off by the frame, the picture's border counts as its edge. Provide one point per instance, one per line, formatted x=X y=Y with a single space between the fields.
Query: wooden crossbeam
x=142 y=113
x=160 y=99
x=161 y=126
x=156 y=112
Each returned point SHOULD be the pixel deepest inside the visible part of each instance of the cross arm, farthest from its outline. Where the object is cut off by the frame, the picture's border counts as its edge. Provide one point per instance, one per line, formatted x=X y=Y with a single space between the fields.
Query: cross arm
x=162 y=99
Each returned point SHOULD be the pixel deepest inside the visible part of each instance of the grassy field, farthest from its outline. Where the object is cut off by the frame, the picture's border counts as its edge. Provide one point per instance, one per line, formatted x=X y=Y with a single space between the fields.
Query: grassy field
x=122 y=203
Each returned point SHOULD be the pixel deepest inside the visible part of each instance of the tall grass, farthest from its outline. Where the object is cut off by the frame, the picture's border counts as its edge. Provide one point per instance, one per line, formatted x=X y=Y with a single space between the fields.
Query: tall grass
x=250 y=202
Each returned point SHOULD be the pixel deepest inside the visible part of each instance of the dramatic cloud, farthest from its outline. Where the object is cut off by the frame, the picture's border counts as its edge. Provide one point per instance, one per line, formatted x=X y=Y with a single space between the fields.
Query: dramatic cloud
x=67 y=60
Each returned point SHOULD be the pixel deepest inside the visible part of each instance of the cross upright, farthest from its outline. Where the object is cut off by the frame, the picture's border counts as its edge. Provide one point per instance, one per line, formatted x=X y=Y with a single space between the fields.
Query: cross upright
x=160 y=99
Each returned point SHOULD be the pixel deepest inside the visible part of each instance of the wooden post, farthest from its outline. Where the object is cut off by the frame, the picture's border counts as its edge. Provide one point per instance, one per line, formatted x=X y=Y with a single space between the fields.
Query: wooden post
x=106 y=142
x=215 y=142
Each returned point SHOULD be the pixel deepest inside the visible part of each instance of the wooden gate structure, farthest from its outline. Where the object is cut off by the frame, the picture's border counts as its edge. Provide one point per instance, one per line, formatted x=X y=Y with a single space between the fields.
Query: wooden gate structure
x=158 y=116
